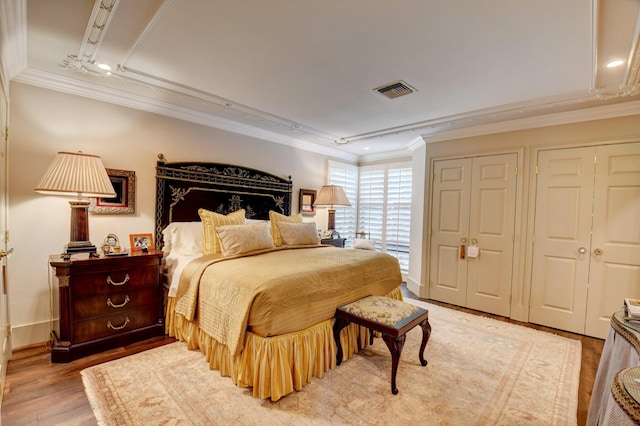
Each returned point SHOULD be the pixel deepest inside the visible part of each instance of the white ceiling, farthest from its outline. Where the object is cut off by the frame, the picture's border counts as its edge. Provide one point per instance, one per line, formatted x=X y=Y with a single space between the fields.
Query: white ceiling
x=303 y=72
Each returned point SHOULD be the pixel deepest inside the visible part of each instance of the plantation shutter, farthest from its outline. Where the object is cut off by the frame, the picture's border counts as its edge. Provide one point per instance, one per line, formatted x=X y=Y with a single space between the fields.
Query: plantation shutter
x=398 y=223
x=371 y=205
x=345 y=175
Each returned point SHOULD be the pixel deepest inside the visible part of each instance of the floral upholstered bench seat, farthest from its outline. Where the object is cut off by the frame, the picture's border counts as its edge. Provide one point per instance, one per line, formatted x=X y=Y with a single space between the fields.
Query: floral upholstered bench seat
x=390 y=317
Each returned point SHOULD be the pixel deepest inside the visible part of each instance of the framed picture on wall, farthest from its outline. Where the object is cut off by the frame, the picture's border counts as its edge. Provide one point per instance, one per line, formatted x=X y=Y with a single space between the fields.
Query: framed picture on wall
x=307 y=198
x=124 y=202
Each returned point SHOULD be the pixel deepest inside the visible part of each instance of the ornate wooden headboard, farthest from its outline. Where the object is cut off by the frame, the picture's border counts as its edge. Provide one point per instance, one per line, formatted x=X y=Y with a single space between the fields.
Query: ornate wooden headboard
x=183 y=188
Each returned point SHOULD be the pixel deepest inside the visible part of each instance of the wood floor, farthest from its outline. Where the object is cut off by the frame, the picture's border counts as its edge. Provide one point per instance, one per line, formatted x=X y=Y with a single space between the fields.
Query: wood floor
x=38 y=392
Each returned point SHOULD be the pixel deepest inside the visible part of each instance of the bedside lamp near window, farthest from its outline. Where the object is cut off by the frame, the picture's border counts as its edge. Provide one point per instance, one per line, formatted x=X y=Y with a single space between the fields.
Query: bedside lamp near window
x=331 y=196
x=80 y=175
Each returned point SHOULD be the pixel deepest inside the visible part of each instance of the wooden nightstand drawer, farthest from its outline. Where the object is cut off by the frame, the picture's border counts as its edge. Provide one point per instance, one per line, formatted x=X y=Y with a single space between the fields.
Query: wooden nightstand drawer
x=116 y=280
x=97 y=328
x=113 y=303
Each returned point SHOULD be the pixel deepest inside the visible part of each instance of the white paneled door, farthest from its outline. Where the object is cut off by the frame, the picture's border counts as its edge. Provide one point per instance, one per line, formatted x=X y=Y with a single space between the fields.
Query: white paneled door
x=586 y=256
x=472 y=229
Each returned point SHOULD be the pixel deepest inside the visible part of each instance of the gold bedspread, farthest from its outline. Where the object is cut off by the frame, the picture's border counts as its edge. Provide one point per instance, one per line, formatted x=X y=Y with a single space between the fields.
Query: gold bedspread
x=272 y=366
x=278 y=291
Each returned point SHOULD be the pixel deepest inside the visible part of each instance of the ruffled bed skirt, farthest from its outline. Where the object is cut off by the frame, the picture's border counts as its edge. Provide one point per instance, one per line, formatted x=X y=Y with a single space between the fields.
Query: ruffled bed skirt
x=273 y=366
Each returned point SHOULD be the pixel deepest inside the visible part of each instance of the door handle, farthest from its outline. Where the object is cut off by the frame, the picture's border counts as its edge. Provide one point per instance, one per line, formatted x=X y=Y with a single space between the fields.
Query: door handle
x=474 y=241
x=582 y=250
x=598 y=251
x=6 y=253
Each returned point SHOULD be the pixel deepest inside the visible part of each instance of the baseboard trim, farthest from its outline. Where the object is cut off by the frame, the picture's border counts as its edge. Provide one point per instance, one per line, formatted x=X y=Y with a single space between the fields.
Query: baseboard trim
x=417 y=288
x=31 y=334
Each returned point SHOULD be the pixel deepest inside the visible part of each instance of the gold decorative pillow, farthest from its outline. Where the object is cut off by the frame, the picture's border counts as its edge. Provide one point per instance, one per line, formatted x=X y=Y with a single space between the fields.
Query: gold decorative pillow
x=274 y=218
x=240 y=239
x=296 y=234
x=209 y=222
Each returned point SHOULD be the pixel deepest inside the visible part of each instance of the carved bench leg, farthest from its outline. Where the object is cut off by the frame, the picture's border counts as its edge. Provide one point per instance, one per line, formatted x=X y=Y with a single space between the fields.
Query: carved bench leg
x=338 y=325
x=395 y=345
x=426 y=333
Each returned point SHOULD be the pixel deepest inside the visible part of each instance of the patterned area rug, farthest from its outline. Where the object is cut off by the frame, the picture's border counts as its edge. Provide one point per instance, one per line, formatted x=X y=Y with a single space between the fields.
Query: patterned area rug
x=481 y=371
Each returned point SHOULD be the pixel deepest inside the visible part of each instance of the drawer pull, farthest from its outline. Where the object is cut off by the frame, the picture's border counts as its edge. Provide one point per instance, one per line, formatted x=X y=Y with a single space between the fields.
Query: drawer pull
x=123 y=282
x=118 y=327
x=113 y=305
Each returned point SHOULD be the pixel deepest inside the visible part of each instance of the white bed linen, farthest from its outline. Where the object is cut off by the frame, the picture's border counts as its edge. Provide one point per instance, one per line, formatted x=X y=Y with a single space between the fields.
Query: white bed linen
x=175 y=264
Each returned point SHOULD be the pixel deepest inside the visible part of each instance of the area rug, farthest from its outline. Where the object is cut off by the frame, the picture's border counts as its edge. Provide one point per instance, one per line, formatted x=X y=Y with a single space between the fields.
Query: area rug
x=481 y=372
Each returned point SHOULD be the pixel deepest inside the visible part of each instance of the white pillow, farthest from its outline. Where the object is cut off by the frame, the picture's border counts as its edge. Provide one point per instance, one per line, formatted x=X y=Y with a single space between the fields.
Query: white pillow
x=183 y=238
x=296 y=234
x=240 y=239
x=363 y=244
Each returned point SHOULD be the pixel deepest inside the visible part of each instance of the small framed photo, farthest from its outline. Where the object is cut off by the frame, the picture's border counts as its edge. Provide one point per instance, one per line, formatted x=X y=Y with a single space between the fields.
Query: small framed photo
x=307 y=198
x=141 y=242
x=124 y=202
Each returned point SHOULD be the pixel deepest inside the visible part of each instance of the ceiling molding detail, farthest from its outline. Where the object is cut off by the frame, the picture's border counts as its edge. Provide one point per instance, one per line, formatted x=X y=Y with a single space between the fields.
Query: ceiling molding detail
x=576 y=116
x=633 y=70
x=501 y=114
x=118 y=97
x=97 y=28
x=198 y=106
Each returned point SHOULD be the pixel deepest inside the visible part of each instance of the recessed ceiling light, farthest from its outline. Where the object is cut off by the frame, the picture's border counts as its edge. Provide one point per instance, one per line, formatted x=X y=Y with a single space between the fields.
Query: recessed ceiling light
x=104 y=67
x=615 y=63
x=366 y=148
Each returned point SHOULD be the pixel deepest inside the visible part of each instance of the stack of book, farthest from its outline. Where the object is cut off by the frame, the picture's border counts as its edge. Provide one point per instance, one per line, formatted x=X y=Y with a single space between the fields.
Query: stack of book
x=632 y=309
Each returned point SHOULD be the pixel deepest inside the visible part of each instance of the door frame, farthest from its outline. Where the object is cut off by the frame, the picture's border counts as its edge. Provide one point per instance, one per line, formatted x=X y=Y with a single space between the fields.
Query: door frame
x=518 y=292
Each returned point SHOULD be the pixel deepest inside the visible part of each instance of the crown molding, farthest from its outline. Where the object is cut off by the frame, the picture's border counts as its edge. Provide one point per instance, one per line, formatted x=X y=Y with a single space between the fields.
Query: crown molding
x=554 y=119
x=81 y=88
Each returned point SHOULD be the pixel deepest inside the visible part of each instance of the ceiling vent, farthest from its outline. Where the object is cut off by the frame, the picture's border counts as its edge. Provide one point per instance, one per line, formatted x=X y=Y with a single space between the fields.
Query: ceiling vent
x=395 y=90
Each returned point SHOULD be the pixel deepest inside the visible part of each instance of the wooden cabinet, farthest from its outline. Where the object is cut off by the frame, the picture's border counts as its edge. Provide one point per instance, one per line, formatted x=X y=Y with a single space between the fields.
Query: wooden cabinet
x=107 y=302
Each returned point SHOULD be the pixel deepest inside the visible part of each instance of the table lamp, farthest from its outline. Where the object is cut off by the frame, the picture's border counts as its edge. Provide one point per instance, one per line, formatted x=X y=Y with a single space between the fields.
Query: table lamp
x=83 y=176
x=331 y=196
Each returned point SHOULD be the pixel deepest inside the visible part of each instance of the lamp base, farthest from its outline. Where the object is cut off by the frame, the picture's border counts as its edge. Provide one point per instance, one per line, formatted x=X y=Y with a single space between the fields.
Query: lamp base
x=80 y=247
x=79 y=241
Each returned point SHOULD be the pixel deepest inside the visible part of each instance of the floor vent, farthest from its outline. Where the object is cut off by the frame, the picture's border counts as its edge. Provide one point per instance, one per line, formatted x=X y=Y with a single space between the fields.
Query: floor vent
x=395 y=90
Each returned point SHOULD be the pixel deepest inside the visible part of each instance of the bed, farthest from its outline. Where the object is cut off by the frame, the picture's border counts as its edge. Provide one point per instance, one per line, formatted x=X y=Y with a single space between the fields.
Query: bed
x=250 y=285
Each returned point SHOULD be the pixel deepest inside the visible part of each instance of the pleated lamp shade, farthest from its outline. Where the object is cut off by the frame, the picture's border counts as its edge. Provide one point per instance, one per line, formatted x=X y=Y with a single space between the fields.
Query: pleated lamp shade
x=76 y=174
x=330 y=196
x=82 y=176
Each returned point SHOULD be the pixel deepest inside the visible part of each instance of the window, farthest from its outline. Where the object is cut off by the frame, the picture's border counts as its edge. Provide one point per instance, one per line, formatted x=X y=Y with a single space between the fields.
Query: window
x=380 y=197
x=345 y=175
x=371 y=205
x=398 y=209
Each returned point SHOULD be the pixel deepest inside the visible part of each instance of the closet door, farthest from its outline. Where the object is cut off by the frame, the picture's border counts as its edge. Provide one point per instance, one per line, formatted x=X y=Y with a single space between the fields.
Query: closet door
x=450 y=192
x=491 y=227
x=473 y=204
x=564 y=198
x=615 y=251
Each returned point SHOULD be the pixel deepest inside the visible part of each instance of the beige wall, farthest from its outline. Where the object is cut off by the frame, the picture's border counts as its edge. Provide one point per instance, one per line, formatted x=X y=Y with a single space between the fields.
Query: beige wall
x=44 y=122
x=525 y=143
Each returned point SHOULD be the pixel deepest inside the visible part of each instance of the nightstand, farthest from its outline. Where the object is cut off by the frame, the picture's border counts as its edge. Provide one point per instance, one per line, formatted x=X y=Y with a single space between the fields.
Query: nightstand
x=337 y=242
x=107 y=302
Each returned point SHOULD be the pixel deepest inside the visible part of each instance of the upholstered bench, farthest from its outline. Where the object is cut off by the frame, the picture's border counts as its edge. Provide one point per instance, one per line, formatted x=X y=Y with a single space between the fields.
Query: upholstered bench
x=390 y=317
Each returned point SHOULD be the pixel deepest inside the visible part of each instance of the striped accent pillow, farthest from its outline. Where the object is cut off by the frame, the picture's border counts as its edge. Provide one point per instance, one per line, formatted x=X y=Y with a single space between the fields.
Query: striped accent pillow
x=209 y=222
x=274 y=218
